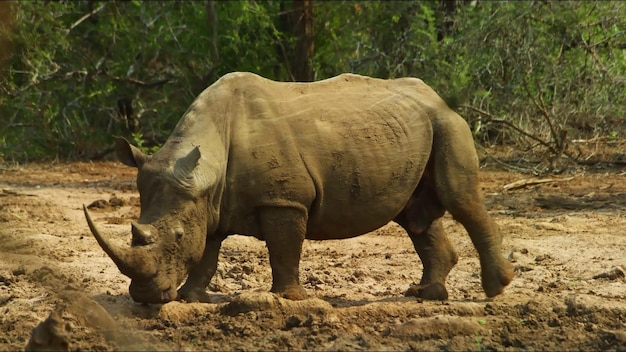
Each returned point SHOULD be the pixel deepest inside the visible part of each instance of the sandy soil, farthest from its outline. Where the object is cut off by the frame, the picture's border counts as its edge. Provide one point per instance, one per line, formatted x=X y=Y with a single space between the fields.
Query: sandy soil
x=567 y=240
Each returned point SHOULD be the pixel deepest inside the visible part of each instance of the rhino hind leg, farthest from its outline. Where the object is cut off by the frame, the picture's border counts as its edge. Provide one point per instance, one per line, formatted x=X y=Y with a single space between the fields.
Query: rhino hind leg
x=421 y=219
x=496 y=271
x=194 y=289
x=284 y=229
x=455 y=174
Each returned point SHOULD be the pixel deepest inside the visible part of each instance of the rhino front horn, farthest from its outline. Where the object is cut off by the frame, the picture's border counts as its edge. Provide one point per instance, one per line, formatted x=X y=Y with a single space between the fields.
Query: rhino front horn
x=134 y=262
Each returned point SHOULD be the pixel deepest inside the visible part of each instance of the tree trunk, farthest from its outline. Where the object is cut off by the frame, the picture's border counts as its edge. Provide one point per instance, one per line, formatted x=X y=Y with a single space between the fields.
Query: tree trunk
x=212 y=27
x=303 y=30
x=297 y=21
x=6 y=25
x=446 y=24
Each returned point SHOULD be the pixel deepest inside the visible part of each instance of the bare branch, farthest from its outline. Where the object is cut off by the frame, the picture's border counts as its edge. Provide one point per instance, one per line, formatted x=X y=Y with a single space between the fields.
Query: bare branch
x=492 y=118
x=503 y=164
x=541 y=106
x=86 y=16
x=136 y=81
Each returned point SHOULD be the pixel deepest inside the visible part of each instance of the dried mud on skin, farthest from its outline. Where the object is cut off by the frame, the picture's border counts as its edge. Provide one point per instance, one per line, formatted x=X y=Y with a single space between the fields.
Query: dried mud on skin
x=567 y=240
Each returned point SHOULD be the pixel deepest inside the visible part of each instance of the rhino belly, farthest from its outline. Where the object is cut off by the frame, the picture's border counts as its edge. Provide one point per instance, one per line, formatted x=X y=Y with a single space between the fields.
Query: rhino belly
x=363 y=198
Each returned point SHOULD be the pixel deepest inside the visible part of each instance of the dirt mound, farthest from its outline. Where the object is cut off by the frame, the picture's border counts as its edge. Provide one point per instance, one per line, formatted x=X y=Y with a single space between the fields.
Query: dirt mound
x=80 y=323
x=264 y=301
x=437 y=327
x=76 y=323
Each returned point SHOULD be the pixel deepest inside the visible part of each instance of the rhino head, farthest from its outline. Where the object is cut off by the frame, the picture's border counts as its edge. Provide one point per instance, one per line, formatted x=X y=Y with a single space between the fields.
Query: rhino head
x=170 y=235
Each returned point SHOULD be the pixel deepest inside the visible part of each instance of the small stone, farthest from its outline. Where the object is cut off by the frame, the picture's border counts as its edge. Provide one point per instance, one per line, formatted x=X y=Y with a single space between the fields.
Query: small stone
x=550 y=226
x=541 y=258
x=613 y=274
x=292 y=322
x=100 y=204
x=116 y=202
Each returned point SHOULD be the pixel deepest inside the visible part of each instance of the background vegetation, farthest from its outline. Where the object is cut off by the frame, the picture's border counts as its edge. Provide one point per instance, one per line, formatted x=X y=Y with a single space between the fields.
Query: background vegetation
x=534 y=74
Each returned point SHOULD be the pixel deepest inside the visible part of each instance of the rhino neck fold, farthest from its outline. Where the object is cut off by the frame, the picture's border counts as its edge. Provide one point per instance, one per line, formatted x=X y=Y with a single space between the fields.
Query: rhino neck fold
x=209 y=130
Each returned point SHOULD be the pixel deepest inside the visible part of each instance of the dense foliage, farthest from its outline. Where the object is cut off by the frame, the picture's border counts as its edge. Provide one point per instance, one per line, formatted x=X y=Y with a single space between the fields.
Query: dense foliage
x=81 y=71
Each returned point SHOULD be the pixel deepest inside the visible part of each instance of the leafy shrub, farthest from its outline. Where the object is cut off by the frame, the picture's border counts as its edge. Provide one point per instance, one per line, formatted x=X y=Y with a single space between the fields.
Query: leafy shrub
x=82 y=71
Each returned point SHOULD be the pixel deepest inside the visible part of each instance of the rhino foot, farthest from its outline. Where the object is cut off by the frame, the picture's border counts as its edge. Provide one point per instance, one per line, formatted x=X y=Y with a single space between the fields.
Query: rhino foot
x=434 y=292
x=294 y=293
x=496 y=278
x=193 y=295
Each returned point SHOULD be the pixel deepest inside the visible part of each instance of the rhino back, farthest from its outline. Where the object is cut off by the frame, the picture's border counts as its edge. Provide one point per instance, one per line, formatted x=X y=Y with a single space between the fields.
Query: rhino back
x=350 y=149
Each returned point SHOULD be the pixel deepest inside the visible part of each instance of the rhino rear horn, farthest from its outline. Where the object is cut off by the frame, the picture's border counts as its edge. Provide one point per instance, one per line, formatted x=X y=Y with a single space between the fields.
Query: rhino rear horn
x=134 y=262
x=184 y=167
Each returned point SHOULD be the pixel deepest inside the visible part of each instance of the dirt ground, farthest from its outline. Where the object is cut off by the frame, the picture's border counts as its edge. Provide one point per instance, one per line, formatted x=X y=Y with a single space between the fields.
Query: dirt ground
x=566 y=238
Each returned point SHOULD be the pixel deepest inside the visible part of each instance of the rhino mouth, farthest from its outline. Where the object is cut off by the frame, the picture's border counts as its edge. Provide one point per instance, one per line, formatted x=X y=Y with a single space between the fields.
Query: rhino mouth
x=150 y=292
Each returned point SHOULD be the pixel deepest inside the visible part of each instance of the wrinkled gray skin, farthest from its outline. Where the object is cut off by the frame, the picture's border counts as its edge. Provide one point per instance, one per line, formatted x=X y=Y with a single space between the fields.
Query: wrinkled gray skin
x=284 y=162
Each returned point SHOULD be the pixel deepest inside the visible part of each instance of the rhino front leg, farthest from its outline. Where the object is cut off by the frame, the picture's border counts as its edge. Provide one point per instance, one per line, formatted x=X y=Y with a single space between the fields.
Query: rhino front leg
x=421 y=218
x=284 y=230
x=438 y=258
x=194 y=289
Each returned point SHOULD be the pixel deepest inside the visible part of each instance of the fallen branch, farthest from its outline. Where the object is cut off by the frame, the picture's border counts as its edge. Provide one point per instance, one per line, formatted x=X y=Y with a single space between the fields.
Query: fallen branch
x=8 y=192
x=530 y=182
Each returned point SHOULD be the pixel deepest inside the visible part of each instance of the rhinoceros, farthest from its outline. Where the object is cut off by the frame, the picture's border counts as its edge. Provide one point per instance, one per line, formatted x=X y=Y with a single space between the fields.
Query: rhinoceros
x=285 y=162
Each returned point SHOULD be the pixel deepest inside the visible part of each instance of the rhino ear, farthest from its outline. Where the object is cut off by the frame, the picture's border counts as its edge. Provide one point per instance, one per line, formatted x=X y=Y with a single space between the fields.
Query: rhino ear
x=128 y=153
x=183 y=169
